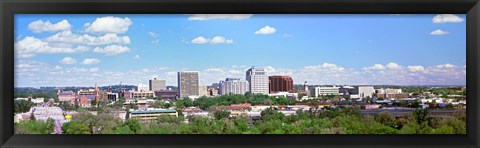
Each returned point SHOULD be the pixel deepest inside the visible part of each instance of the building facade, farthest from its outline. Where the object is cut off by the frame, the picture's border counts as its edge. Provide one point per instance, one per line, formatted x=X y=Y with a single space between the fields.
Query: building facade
x=142 y=94
x=280 y=84
x=188 y=84
x=157 y=84
x=258 y=80
x=327 y=90
x=233 y=86
x=66 y=96
x=365 y=91
x=167 y=94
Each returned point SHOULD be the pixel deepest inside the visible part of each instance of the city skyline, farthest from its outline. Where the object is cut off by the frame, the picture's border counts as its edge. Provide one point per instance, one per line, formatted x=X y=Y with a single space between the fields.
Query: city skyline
x=75 y=50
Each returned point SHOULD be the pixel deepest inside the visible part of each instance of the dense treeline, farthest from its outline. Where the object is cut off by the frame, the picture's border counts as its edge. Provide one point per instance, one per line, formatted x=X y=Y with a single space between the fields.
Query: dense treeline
x=330 y=121
x=207 y=102
x=22 y=106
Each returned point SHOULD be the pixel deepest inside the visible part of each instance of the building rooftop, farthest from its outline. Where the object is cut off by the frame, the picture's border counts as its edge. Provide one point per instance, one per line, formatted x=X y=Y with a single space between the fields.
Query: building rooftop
x=66 y=93
x=153 y=111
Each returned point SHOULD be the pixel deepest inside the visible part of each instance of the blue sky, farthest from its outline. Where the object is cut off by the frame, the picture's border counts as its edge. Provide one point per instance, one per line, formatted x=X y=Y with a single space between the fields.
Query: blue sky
x=78 y=50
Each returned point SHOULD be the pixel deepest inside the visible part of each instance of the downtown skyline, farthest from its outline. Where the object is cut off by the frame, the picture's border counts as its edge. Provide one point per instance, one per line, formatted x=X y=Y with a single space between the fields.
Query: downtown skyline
x=76 y=50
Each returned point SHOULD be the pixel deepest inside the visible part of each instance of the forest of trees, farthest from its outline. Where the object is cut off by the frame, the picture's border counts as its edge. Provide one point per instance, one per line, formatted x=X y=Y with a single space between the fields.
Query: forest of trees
x=206 y=102
x=331 y=121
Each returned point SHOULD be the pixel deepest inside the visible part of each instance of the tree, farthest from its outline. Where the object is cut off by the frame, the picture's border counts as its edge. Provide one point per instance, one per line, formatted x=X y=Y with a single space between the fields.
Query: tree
x=221 y=114
x=34 y=127
x=75 y=127
x=386 y=119
x=22 y=106
x=133 y=125
x=420 y=115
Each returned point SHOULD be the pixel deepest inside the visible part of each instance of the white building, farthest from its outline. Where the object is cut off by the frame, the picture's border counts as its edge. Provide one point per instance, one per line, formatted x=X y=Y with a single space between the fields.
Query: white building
x=285 y=94
x=327 y=90
x=142 y=87
x=365 y=91
x=234 y=86
x=37 y=100
x=258 y=80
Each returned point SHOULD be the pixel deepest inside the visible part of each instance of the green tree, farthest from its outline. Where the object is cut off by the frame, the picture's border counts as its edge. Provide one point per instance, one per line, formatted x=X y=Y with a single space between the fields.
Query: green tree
x=420 y=115
x=221 y=114
x=75 y=127
x=34 y=127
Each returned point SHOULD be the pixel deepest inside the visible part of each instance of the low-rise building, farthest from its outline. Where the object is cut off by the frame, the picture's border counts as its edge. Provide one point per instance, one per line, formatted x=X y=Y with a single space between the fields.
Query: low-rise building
x=37 y=100
x=66 y=96
x=151 y=114
x=167 y=94
x=327 y=90
x=142 y=94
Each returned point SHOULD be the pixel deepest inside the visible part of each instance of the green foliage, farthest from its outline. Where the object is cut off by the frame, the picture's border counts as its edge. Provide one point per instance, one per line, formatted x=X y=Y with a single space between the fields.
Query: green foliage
x=22 y=106
x=420 y=115
x=34 y=127
x=221 y=114
x=75 y=127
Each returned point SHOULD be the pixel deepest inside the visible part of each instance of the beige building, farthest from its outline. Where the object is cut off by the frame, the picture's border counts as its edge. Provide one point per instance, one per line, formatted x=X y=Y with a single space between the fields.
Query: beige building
x=188 y=84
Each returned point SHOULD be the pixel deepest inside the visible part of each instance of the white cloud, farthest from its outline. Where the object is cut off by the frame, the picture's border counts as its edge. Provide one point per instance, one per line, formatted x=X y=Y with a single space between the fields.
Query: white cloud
x=266 y=30
x=214 y=40
x=447 y=18
x=445 y=66
x=40 y=26
x=270 y=69
x=438 y=32
x=153 y=34
x=109 y=24
x=220 y=40
x=68 y=60
x=30 y=46
x=375 y=67
x=200 y=40
x=393 y=66
x=112 y=50
x=58 y=67
x=156 y=41
x=325 y=66
x=69 y=37
x=202 y=17
x=136 y=57
x=416 y=68
x=89 y=61
x=214 y=70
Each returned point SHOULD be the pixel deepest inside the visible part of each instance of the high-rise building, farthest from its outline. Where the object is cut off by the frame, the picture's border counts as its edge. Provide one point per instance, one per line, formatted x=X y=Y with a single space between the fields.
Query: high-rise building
x=157 y=84
x=187 y=84
x=233 y=86
x=280 y=84
x=258 y=80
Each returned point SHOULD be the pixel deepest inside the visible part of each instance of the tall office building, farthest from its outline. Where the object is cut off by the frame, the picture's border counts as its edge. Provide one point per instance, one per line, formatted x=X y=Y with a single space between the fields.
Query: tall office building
x=258 y=80
x=157 y=84
x=188 y=84
x=280 y=84
x=233 y=86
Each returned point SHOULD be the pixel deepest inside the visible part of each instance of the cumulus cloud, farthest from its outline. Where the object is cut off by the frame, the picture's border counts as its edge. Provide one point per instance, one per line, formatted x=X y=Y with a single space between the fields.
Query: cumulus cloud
x=40 y=26
x=438 y=32
x=214 y=40
x=69 y=37
x=447 y=18
x=68 y=60
x=266 y=30
x=41 y=74
x=112 y=50
x=393 y=66
x=375 y=67
x=203 y=17
x=89 y=61
x=30 y=46
x=109 y=24
x=416 y=68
